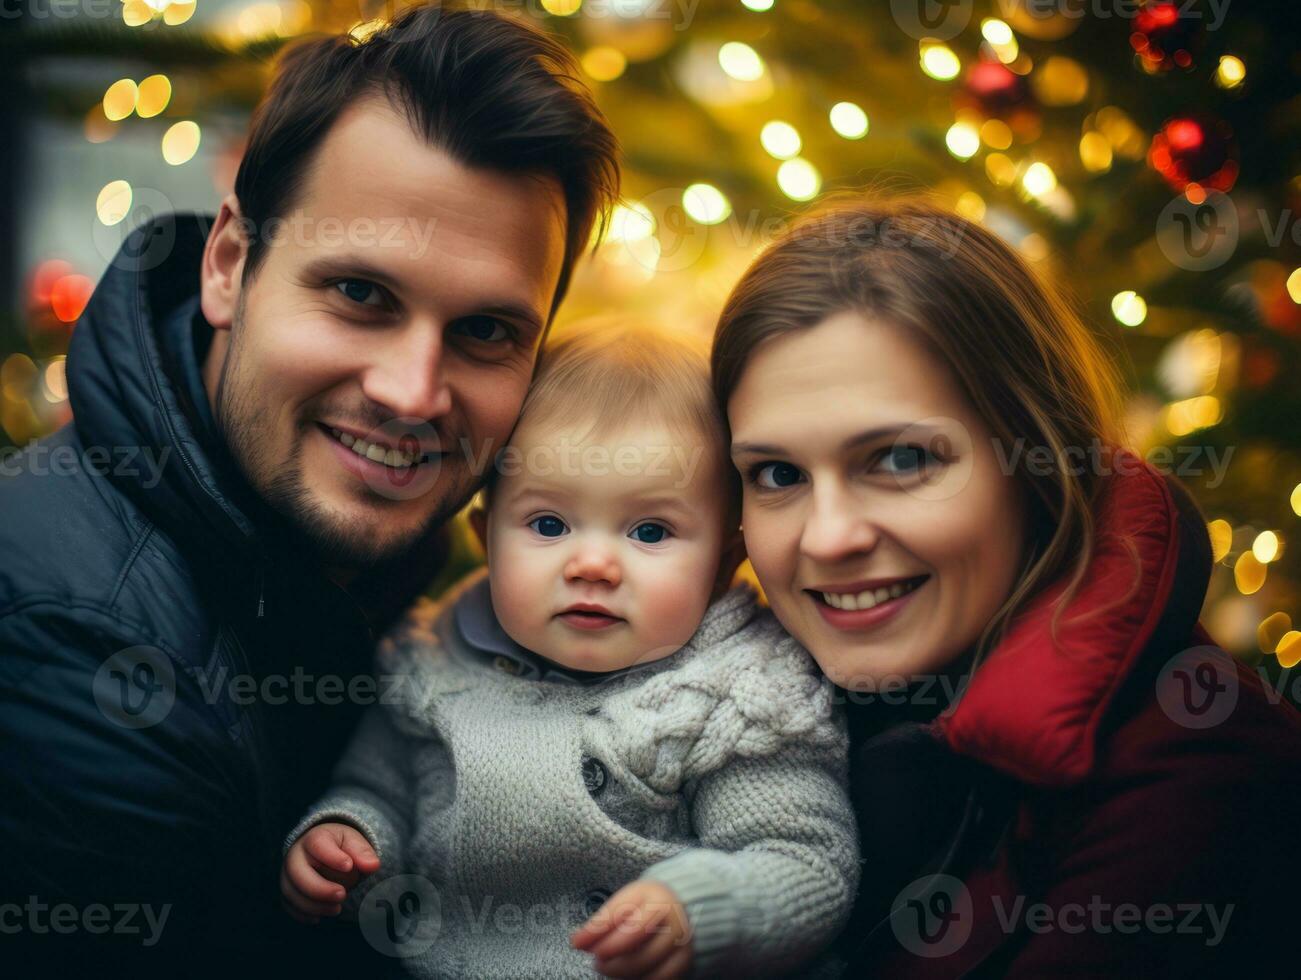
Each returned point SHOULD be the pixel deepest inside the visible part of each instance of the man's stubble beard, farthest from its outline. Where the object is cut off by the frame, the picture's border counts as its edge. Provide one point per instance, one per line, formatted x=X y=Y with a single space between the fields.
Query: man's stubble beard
x=281 y=486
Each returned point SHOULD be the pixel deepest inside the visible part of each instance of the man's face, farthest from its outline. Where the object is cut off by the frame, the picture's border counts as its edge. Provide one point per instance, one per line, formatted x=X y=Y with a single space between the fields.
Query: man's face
x=401 y=303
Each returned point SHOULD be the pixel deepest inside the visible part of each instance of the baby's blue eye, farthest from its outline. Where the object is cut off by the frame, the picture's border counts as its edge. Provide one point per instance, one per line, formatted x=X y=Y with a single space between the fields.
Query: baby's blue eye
x=649 y=533
x=548 y=526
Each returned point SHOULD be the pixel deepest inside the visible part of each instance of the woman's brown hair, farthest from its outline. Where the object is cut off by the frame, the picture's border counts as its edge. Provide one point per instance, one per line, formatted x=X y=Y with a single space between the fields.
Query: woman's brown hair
x=1023 y=358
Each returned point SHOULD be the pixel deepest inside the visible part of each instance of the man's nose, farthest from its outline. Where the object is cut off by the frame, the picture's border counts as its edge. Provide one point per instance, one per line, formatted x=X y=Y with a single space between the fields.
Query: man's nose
x=592 y=562
x=408 y=375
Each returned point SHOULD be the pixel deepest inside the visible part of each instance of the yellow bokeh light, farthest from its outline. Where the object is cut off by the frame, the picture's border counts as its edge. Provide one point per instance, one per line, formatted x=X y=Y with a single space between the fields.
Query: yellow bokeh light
x=97 y=126
x=56 y=379
x=154 y=94
x=631 y=222
x=963 y=140
x=177 y=14
x=799 y=180
x=1192 y=414
x=1000 y=169
x=706 y=204
x=1266 y=547
x=137 y=13
x=1129 y=308
x=604 y=63
x=1039 y=179
x=181 y=142
x=120 y=99
x=996 y=31
x=1095 y=153
x=562 y=8
x=996 y=134
x=849 y=120
x=1248 y=574
x=1060 y=81
x=1296 y=500
x=1221 y=532
x=939 y=61
x=741 y=61
x=1231 y=72
x=114 y=202
x=1294 y=285
x=1272 y=630
x=780 y=139
x=971 y=206
x=758 y=6
x=1288 y=650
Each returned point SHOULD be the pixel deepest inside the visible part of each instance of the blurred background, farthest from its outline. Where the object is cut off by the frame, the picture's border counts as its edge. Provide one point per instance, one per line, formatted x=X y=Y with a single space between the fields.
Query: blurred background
x=1143 y=154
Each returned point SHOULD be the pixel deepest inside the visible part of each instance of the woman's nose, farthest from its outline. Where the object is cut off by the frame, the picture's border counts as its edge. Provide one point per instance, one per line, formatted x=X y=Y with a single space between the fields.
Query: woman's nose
x=838 y=527
x=593 y=563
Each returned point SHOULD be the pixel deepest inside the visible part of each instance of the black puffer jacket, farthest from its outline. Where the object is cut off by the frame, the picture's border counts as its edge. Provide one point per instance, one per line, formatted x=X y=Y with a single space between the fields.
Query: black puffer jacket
x=174 y=674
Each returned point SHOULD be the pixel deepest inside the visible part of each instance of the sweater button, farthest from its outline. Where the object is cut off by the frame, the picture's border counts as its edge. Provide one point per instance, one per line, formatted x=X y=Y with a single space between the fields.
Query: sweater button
x=593 y=775
x=595 y=899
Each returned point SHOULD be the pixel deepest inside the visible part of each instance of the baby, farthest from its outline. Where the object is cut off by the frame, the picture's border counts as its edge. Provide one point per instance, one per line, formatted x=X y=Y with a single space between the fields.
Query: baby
x=599 y=756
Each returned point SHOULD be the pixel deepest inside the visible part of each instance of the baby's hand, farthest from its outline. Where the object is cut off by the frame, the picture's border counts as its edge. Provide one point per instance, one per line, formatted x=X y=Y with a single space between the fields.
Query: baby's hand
x=321 y=867
x=641 y=931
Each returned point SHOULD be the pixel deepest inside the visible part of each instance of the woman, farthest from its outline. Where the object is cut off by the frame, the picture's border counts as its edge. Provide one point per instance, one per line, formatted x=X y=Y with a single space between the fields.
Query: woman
x=1054 y=771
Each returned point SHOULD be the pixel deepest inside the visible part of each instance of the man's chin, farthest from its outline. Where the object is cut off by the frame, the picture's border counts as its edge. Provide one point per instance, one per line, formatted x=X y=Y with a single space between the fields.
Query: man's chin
x=358 y=537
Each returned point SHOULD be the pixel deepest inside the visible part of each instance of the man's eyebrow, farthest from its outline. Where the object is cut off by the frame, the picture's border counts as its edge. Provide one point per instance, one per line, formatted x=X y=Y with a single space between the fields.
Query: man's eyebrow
x=354 y=266
x=853 y=442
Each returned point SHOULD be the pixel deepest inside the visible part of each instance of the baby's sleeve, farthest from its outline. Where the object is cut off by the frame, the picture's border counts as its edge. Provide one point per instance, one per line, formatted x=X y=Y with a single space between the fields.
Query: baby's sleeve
x=774 y=875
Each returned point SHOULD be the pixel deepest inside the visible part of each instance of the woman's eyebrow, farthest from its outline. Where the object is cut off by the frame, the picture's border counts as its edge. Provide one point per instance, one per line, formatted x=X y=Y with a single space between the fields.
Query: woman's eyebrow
x=854 y=441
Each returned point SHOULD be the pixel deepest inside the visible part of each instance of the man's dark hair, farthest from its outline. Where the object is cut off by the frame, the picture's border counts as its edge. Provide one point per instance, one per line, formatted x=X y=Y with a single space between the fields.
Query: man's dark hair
x=489 y=91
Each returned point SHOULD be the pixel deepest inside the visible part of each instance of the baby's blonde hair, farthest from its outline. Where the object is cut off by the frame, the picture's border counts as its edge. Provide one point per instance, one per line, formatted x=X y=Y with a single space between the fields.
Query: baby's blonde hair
x=611 y=371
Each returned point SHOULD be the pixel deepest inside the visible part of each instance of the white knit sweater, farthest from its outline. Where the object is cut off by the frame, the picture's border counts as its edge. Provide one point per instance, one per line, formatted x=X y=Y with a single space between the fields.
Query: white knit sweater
x=506 y=807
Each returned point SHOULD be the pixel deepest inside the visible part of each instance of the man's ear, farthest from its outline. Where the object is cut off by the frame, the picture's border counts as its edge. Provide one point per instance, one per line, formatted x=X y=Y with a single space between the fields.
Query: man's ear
x=733 y=555
x=478 y=518
x=222 y=271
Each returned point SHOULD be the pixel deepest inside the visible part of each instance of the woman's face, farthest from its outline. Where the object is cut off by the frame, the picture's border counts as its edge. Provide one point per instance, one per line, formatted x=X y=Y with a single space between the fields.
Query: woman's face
x=878 y=513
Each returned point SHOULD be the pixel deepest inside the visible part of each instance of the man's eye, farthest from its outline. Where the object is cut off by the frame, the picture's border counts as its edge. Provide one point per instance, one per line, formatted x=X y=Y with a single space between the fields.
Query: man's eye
x=548 y=526
x=649 y=533
x=484 y=329
x=360 y=291
x=775 y=476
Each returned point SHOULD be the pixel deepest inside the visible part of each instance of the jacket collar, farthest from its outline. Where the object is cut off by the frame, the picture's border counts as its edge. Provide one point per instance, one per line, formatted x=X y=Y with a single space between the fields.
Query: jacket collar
x=1034 y=709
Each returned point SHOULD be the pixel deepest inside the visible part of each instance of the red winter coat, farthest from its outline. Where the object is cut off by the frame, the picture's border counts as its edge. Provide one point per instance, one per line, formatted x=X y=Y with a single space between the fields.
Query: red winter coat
x=1123 y=801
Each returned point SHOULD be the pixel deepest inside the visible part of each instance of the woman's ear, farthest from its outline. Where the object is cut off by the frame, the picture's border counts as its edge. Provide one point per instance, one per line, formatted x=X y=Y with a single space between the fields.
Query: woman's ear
x=222 y=271
x=478 y=517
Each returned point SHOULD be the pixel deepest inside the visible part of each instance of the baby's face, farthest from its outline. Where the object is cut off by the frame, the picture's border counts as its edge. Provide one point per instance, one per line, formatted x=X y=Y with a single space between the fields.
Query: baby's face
x=602 y=553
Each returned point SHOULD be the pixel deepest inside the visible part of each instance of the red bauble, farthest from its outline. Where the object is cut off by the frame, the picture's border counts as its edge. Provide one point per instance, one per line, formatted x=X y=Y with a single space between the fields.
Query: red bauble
x=1163 y=38
x=995 y=90
x=1195 y=149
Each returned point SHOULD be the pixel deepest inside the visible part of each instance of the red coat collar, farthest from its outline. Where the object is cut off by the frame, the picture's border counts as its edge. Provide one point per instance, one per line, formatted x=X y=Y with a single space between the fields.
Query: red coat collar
x=1034 y=707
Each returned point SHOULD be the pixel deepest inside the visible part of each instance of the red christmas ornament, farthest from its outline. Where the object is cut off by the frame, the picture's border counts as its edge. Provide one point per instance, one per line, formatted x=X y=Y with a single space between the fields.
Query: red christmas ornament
x=995 y=91
x=1163 y=38
x=1195 y=149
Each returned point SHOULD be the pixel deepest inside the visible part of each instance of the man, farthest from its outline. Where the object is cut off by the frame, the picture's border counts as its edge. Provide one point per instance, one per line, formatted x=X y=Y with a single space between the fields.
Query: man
x=275 y=413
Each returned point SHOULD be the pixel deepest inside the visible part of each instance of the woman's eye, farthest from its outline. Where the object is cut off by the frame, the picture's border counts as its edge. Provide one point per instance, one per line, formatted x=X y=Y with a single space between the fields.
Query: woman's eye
x=649 y=533
x=360 y=291
x=548 y=527
x=775 y=476
x=484 y=329
x=907 y=460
